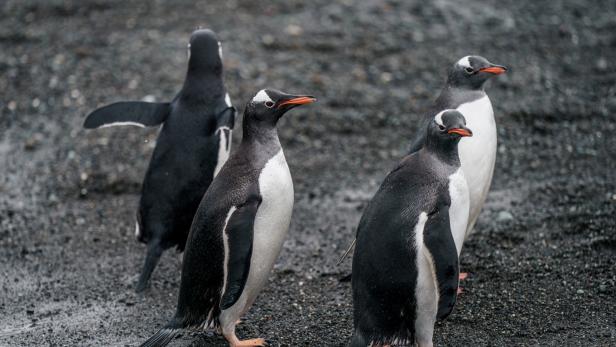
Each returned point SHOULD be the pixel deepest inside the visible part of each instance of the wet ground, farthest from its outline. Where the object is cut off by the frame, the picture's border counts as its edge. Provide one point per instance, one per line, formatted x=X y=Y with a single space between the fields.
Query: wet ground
x=542 y=261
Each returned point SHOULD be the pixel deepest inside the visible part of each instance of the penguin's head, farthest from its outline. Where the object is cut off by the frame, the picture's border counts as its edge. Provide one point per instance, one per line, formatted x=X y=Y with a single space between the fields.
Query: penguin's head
x=269 y=105
x=205 y=52
x=472 y=72
x=448 y=127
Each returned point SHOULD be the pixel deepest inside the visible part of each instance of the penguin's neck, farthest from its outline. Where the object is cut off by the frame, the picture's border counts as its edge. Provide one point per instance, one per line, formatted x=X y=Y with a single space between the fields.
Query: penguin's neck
x=453 y=96
x=445 y=151
x=261 y=139
x=202 y=86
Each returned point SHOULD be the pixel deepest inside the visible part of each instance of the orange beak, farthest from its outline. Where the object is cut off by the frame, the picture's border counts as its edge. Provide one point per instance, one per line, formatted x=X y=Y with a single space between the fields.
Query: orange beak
x=496 y=70
x=300 y=100
x=460 y=131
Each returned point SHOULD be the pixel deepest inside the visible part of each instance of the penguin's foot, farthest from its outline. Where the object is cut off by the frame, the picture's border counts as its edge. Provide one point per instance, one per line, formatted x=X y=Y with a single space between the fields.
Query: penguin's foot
x=462 y=276
x=248 y=343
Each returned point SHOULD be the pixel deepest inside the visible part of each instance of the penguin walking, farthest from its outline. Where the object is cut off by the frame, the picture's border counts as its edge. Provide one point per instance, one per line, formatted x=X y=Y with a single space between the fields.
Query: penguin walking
x=238 y=229
x=405 y=264
x=192 y=147
x=464 y=91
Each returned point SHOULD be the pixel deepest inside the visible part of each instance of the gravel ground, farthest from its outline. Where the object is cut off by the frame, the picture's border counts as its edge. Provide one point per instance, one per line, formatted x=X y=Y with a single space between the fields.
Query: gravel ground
x=542 y=261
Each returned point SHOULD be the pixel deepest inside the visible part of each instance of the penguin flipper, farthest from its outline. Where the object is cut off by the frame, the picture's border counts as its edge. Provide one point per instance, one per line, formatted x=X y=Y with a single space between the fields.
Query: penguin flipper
x=138 y=113
x=439 y=242
x=239 y=232
x=226 y=118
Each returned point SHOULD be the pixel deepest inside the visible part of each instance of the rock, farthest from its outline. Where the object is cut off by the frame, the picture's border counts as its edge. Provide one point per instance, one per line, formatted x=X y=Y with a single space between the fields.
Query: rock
x=504 y=216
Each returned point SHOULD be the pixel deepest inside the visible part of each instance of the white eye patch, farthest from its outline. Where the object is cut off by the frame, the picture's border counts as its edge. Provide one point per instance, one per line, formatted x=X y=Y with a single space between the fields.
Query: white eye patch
x=464 y=62
x=220 y=50
x=439 y=117
x=261 y=97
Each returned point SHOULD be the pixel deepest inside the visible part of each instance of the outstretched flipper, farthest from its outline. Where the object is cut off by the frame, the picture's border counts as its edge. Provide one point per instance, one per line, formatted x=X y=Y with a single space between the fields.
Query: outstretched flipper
x=439 y=241
x=151 y=259
x=138 y=113
x=239 y=235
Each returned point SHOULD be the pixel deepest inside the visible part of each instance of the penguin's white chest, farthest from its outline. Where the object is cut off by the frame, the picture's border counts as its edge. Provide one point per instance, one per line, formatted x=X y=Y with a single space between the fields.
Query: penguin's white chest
x=459 y=208
x=274 y=213
x=224 y=147
x=478 y=153
x=270 y=228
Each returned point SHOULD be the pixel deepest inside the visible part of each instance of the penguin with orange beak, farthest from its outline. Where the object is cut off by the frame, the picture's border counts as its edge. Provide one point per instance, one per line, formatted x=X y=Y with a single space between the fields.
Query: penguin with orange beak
x=405 y=264
x=239 y=228
x=464 y=91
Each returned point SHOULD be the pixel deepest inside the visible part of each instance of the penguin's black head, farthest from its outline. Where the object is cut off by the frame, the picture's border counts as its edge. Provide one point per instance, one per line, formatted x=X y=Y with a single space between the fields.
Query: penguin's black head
x=268 y=105
x=205 y=52
x=447 y=128
x=472 y=72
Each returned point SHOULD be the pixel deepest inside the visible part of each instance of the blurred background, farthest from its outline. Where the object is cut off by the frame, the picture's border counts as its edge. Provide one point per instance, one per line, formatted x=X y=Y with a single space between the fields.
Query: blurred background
x=542 y=260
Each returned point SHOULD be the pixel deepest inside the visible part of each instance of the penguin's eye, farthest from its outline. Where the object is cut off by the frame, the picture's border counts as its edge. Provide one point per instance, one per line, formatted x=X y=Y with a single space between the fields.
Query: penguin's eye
x=469 y=70
x=441 y=127
x=269 y=104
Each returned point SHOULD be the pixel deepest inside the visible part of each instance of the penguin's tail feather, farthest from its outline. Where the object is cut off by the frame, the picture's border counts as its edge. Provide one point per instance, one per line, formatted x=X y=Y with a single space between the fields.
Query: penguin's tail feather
x=164 y=335
x=358 y=339
x=151 y=259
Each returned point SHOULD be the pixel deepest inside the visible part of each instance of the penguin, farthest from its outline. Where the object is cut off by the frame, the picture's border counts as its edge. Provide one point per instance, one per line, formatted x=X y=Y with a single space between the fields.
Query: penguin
x=464 y=91
x=192 y=146
x=405 y=263
x=238 y=229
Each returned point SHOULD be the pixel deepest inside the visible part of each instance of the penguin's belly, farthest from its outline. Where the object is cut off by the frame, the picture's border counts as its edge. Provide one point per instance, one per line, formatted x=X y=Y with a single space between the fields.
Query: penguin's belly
x=270 y=227
x=224 y=147
x=478 y=153
x=459 y=208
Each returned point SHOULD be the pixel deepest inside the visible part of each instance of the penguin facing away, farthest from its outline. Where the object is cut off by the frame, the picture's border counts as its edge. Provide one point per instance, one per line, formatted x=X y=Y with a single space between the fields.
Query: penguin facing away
x=239 y=228
x=464 y=91
x=191 y=148
x=405 y=263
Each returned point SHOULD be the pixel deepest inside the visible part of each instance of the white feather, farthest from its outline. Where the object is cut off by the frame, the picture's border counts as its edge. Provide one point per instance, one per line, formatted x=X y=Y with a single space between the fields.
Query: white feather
x=426 y=295
x=224 y=148
x=459 y=208
x=122 y=123
x=439 y=117
x=225 y=241
x=262 y=97
x=464 y=62
x=228 y=100
x=478 y=153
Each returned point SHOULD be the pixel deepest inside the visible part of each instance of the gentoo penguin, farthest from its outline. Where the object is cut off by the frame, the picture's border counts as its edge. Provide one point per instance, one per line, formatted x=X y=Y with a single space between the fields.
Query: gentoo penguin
x=405 y=264
x=464 y=91
x=239 y=227
x=192 y=147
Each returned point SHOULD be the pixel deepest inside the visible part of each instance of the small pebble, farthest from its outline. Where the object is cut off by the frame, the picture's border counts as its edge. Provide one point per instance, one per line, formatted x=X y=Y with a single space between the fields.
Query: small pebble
x=504 y=216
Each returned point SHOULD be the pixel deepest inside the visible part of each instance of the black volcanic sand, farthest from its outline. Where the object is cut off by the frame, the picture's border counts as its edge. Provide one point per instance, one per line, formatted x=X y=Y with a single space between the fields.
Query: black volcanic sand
x=542 y=259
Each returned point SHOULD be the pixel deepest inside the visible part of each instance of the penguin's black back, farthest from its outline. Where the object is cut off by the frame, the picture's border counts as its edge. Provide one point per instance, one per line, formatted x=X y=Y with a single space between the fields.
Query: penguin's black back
x=384 y=273
x=181 y=168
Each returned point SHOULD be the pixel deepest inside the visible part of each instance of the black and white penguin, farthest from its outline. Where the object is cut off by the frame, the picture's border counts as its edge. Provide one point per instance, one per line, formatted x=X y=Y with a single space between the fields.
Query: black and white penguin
x=464 y=91
x=193 y=145
x=239 y=227
x=405 y=264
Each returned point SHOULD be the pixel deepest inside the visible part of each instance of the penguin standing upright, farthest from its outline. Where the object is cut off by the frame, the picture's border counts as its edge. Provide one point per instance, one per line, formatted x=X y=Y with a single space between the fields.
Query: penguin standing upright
x=192 y=146
x=239 y=227
x=405 y=264
x=464 y=91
